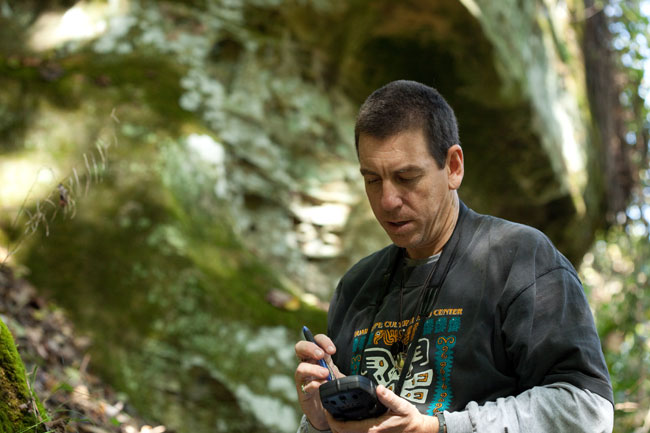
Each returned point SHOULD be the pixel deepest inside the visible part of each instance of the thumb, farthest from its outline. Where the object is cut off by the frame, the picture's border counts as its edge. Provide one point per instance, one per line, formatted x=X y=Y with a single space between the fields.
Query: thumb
x=392 y=401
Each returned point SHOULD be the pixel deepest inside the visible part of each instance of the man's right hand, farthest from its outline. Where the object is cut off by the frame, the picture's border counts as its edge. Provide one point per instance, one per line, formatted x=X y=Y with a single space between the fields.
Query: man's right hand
x=310 y=375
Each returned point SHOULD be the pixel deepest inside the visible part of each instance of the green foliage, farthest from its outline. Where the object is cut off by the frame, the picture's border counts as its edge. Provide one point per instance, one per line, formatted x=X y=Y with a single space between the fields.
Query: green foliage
x=616 y=271
x=616 y=274
x=631 y=30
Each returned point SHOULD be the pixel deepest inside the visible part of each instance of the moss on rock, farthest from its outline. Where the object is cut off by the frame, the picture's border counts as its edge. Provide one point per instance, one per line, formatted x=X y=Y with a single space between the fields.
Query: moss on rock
x=19 y=409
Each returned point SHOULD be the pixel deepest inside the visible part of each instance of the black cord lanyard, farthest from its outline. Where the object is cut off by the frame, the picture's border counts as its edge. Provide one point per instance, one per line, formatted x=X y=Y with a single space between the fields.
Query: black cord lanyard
x=436 y=277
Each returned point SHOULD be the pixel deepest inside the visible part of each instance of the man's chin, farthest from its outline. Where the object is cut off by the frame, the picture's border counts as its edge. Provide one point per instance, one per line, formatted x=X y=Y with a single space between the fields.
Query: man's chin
x=400 y=241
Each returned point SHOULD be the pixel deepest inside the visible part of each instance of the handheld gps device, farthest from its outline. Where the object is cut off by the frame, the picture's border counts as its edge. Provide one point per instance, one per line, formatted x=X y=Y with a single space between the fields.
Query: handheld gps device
x=351 y=398
x=347 y=398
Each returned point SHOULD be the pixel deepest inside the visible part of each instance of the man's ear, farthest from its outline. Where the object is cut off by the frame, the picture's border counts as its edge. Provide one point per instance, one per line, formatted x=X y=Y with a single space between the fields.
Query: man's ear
x=455 y=166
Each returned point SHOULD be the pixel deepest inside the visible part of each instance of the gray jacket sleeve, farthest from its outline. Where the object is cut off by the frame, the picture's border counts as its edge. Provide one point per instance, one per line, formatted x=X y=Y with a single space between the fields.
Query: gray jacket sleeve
x=559 y=407
x=306 y=427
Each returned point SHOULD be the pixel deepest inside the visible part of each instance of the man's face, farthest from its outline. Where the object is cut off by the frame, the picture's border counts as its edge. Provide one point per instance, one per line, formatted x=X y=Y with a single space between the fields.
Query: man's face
x=413 y=199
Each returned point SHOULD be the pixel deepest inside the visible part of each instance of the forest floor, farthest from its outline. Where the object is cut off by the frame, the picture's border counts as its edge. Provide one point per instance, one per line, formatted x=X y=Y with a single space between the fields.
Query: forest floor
x=59 y=367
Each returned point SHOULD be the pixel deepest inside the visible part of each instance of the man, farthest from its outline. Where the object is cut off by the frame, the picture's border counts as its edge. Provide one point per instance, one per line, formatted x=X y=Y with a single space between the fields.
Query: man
x=468 y=323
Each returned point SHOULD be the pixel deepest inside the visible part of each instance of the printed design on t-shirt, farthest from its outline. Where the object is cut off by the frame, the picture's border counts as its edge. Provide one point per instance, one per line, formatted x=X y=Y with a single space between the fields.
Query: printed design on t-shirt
x=444 y=360
x=380 y=366
x=390 y=333
x=358 y=344
x=443 y=325
x=428 y=380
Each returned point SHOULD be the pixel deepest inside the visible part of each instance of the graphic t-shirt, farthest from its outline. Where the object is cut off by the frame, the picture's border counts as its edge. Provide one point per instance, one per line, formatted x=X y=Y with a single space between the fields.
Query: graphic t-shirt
x=395 y=322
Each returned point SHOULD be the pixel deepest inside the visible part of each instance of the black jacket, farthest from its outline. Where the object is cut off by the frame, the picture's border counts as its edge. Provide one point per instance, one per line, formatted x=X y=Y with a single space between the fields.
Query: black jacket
x=510 y=315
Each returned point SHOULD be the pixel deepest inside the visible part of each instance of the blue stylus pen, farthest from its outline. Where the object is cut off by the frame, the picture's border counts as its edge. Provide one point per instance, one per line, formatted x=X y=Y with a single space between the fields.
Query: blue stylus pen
x=310 y=337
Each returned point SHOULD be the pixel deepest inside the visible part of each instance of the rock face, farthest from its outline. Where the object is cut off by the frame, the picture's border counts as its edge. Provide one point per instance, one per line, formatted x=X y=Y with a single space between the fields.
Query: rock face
x=514 y=72
x=197 y=194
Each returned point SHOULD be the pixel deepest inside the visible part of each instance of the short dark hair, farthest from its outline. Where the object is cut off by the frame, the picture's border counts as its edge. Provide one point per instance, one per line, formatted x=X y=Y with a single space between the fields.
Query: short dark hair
x=402 y=105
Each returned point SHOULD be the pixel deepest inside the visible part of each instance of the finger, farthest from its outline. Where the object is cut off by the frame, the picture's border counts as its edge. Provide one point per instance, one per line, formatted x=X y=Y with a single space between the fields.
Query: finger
x=306 y=350
x=392 y=401
x=336 y=373
x=307 y=387
x=306 y=372
x=325 y=343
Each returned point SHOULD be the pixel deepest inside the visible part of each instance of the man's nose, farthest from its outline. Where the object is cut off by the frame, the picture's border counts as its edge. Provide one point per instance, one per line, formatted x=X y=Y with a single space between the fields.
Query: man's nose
x=390 y=196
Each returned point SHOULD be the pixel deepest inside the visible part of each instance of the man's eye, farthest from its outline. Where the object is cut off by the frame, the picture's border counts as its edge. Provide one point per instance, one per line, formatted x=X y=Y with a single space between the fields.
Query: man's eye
x=371 y=180
x=407 y=179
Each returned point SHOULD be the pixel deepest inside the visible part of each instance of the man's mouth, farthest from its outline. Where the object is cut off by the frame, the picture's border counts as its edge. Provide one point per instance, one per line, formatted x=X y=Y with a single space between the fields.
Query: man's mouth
x=397 y=224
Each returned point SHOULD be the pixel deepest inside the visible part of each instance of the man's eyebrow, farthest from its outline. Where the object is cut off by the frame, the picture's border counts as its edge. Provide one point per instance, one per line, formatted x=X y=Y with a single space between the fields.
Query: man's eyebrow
x=405 y=169
x=410 y=168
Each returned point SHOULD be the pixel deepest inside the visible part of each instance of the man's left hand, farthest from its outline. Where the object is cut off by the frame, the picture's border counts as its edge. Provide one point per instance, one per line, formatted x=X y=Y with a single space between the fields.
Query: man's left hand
x=401 y=416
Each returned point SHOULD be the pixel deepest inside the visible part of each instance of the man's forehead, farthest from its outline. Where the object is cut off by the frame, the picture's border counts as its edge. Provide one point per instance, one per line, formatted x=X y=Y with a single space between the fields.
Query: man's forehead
x=414 y=131
x=408 y=137
x=406 y=148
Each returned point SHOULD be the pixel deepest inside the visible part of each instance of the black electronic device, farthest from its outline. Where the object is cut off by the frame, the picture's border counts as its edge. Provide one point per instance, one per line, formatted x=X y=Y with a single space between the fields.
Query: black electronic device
x=351 y=398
